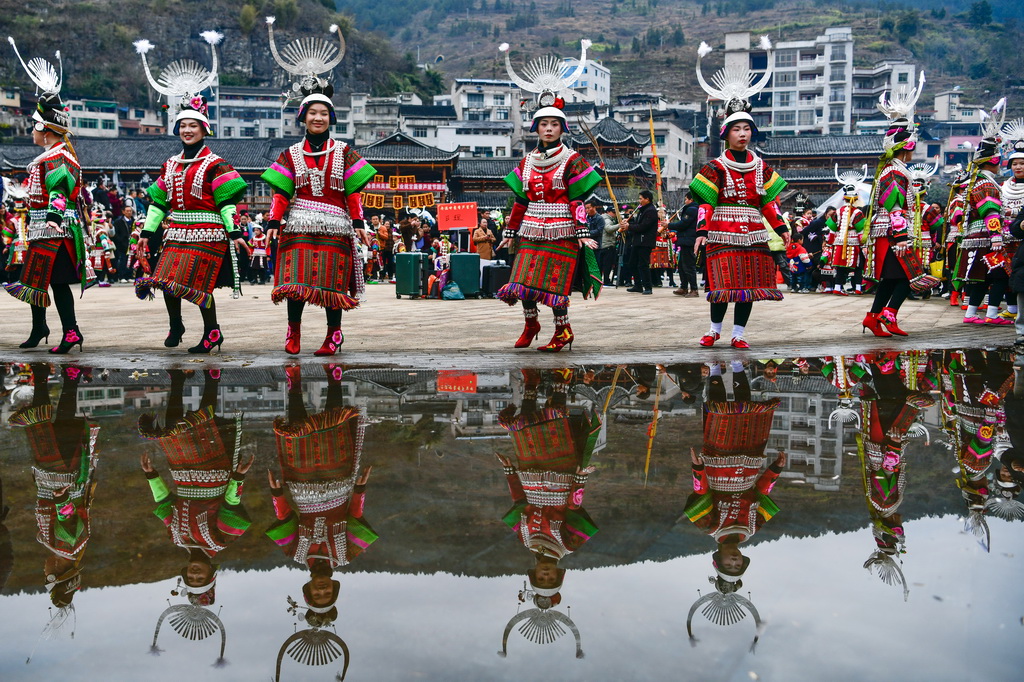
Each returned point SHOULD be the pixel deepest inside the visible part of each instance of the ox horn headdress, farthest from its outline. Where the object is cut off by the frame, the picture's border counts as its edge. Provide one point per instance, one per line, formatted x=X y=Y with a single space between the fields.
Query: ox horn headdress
x=899 y=107
x=545 y=77
x=182 y=82
x=849 y=181
x=734 y=86
x=312 y=646
x=541 y=625
x=1013 y=139
x=724 y=606
x=308 y=59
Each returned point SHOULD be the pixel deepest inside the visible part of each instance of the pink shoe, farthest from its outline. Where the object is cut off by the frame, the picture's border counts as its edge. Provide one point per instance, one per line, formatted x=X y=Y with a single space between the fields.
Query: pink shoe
x=1000 y=321
x=974 y=320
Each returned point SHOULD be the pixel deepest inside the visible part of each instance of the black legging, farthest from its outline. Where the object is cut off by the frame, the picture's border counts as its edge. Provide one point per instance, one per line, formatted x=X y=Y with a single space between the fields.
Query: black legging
x=740 y=314
x=740 y=388
x=890 y=293
x=297 y=405
x=173 y=305
x=995 y=286
x=295 y=313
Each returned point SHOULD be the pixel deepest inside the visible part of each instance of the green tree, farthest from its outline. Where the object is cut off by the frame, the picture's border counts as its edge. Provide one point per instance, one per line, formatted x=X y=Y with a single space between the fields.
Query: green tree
x=980 y=13
x=247 y=18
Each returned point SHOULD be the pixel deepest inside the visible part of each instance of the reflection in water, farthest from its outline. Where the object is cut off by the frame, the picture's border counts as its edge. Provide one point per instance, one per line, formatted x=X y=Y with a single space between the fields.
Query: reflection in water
x=204 y=514
x=321 y=459
x=553 y=448
x=767 y=434
x=64 y=458
x=730 y=499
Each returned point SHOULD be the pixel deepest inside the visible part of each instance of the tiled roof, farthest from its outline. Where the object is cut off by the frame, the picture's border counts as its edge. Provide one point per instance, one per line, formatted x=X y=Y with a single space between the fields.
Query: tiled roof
x=811 y=174
x=820 y=145
x=427 y=111
x=487 y=200
x=485 y=168
x=610 y=131
x=401 y=147
x=621 y=166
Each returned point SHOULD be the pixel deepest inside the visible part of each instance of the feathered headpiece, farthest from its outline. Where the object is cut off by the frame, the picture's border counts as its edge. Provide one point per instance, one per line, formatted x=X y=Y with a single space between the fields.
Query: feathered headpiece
x=312 y=646
x=48 y=80
x=921 y=173
x=183 y=81
x=1013 y=139
x=991 y=134
x=308 y=59
x=889 y=571
x=724 y=606
x=850 y=182
x=546 y=78
x=899 y=108
x=734 y=86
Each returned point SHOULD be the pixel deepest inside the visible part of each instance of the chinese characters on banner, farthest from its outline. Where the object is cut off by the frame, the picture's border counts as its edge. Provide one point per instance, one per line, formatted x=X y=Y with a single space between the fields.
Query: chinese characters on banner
x=454 y=216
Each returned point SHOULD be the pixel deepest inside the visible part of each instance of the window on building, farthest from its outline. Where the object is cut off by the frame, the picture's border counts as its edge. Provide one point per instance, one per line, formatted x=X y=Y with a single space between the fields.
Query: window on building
x=419 y=132
x=139 y=113
x=341 y=128
x=784 y=78
x=784 y=99
x=836 y=115
x=659 y=139
x=679 y=167
x=806 y=118
x=90 y=123
x=839 y=53
x=903 y=77
x=501 y=114
x=838 y=74
x=272 y=132
x=475 y=99
x=785 y=58
x=500 y=151
x=77 y=107
x=837 y=95
x=109 y=125
x=228 y=131
x=247 y=131
x=499 y=100
x=486 y=152
x=785 y=118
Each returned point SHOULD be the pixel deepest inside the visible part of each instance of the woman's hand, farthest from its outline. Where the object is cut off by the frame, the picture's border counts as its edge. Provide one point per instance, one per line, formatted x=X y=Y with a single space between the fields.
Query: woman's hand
x=147 y=464
x=243 y=467
x=505 y=243
x=700 y=241
x=142 y=248
x=504 y=460
x=694 y=457
x=365 y=477
x=274 y=481
x=243 y=246
x=587 y=241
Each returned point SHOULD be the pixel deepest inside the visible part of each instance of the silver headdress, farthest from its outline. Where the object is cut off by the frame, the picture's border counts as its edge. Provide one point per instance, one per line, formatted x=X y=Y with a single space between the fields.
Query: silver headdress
x=846 y=412
x=48 y=81
x=921 y=173
x=734 y=86
x=546 y=78
x=307 y=59
x=63 y=620
x=312 y=646
x=851 y=181
x=889 y=570
x=1013 y=139
x=183 y=81
x=541 y=625
x=899 y=108
x=194 y=623
x=991 y=131
x=724 y=606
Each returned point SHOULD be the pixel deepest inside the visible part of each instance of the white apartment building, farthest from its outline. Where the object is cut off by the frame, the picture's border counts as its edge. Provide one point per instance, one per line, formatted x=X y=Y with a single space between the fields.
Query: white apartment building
x=476 y=139
x=594 y=84
x=422 y=121
x=950 y=107
x=871 y=82
x=243 y=112
x=374 y=118
x=674 y=145
x=140 y=121
x=93 y=117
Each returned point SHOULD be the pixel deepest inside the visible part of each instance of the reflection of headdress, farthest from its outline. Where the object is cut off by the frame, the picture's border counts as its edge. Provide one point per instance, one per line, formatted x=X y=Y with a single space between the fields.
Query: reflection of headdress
x=49 y=111
x=734 y=86
x=192 y=622
x=541 y=625
x=884 y=559
x=899 y=109
x=1013 y=139
x=312 y=646
x=183 y=81
x=991 y=130
x=724 y=606
x=309 y=58
x=546 y=78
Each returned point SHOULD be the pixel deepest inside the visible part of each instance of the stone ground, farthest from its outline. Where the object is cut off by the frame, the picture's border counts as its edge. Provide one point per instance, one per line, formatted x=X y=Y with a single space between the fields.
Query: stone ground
x=621 y=327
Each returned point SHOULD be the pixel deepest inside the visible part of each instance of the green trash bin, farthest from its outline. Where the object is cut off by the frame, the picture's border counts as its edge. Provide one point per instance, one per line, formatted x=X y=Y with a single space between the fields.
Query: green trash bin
x=409 y=274
x=465 y=270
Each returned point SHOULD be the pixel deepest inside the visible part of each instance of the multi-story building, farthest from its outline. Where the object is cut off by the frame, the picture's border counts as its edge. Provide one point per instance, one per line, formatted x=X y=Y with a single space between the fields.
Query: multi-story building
x=476 y=139
x=950 y=107
x=12 y=118
x=422 y=121
x=248 y=112
x=593 y=85
x=140 y=121
x=869 y=83
x=93 y=117
x=375 y=118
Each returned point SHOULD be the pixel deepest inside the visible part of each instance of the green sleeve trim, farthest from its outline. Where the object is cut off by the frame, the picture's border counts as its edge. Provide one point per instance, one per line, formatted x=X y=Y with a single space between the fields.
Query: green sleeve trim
x=70 y=531
x=773 y=187
x=279 y=181
x=580 y=519
x=60 y=179
x=358 y=172
x=233 y=495
x=704 y=189
x=282 y=530
x=227 y=216
x=234 y=517
x=154 y=216
x=157 y=194
x=583 y=186
x=515 y=183
x=361 y=530
x=164 y=508
x=231 y=191
x=767 y=507
x=513 y=515
x=159 y=489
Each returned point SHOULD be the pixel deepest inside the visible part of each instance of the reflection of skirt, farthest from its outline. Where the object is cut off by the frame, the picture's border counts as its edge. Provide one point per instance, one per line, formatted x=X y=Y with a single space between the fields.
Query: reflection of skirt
x=317 y=269
x=740 y=273
x=542 y=272
x=319 y=447
x=190 y=271
x=49 y=261
x=547 y=440
x=663 y=258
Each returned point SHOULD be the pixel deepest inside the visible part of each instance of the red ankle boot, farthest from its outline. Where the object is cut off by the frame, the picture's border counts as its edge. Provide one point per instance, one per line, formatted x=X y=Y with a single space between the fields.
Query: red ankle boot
x=563 y=337
x=888 y=318
x=871 y=322
x=530 y=332
x=954 y=298
x=333 y=341
x=291 y=339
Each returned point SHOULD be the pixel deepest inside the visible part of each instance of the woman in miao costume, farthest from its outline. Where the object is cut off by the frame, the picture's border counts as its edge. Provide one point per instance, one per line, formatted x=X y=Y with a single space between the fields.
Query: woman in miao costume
x=736 y=191
x=56 y=244
x=317 y=184
x=846 y=231
x=198 y=190
x=927 y=220
x=892 y=261
x=1013 y=202
x=554 y=252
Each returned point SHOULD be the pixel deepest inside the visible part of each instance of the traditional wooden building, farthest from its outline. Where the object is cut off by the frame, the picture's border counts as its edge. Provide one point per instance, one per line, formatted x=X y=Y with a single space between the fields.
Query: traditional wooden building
x=807 y=162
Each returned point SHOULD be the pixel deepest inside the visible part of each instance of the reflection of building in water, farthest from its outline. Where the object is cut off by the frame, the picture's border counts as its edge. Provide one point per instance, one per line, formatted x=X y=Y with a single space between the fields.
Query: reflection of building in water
x=801 y=427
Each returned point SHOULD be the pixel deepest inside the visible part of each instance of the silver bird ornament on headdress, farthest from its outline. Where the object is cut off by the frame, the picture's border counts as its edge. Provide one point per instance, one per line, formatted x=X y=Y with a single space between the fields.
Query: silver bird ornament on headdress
x=546 y=74
x=992 y=120
x=724 y=608
x=194 y=623
x=47 y=79
x=308 y=58
x=920 y=173
x=889 y=570
x=902 y=101
x=846 y=412
x=541 y=625
x=734 y=85
x=182 y=77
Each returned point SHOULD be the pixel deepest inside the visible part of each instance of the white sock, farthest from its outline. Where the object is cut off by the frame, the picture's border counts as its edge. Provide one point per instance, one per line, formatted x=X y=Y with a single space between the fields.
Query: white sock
x=736 y=366
x=737 y=331
x=993 y=312
x=972 y=311
x=858 y=287
x=1012 y=309
x=715 y=369
x=716 y=328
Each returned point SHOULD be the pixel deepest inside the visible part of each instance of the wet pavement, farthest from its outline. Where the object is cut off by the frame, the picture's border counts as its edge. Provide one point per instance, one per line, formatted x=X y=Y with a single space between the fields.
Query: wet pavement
x=787 y=518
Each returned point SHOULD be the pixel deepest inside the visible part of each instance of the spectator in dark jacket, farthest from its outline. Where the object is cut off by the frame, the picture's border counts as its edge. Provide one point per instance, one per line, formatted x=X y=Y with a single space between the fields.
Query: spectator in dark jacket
x=686 y=236
x=643 y=227
x=123 y=226
x=814 y=234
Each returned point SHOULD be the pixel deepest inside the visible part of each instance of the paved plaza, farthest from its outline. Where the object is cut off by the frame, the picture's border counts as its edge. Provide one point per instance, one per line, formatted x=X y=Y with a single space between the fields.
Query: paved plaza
x=620 y=327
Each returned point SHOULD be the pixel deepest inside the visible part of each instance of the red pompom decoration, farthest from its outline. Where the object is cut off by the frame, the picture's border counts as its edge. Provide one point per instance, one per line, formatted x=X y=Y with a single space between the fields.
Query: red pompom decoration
x=559 y=103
